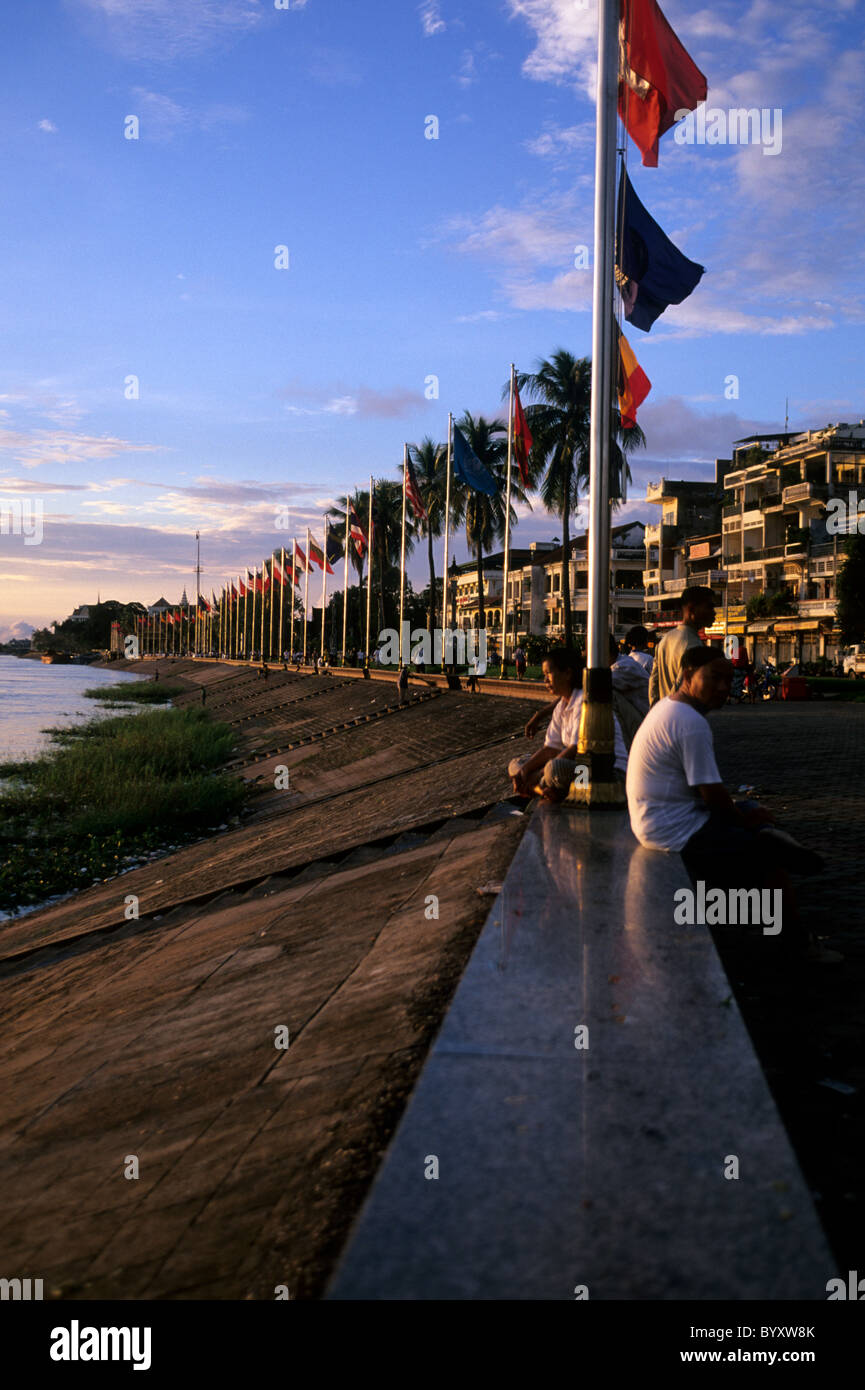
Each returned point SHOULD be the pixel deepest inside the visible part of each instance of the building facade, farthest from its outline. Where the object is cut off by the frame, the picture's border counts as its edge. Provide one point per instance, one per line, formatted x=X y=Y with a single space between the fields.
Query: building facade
x=761 y=535
x=534 y=598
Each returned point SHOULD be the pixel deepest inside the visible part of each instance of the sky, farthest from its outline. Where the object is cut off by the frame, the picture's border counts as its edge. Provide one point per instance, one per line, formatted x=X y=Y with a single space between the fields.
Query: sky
x=164 y=367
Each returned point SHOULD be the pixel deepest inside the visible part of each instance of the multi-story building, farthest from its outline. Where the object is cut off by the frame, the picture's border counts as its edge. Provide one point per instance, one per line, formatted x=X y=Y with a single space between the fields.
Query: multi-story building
x=690 y=511
x=534 y=600
x=775 y=540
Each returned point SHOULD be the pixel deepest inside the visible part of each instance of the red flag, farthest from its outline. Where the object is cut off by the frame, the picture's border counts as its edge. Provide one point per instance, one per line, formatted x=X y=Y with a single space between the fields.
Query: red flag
x=633 y=385
x=278 y=574
x=657 y=76
x=412 y=491
x=304 y=563
x=522 y=439
x=356 y=531
x=243 y=588
x=316 y=555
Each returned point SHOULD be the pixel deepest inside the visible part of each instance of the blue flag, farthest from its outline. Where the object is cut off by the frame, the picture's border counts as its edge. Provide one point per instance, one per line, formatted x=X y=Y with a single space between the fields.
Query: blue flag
x=469 y=469
x=651 y=272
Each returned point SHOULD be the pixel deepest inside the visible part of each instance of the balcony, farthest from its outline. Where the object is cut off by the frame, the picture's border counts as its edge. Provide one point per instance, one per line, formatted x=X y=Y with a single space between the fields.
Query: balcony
x=817 y=608
x=805 y=492
x=675 y=586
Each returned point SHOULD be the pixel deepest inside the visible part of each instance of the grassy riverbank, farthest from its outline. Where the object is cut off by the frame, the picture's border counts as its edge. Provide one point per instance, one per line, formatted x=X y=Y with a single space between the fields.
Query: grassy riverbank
x=134 y=693
x=106 y=795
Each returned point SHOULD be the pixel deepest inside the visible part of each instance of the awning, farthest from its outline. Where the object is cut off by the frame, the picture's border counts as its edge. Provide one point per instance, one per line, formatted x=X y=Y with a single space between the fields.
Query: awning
x=717 y=629
x=798 y=626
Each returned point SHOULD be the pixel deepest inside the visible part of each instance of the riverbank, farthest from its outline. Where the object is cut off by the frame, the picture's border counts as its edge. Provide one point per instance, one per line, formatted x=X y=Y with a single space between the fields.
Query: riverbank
x=111 y=793
x=342 y=910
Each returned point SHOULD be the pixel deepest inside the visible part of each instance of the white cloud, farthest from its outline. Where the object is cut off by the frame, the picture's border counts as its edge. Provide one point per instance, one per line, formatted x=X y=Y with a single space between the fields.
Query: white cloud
x=48 y=126
x=31 y=448
x=431 y=19
x=161 y=117
x=170 y=29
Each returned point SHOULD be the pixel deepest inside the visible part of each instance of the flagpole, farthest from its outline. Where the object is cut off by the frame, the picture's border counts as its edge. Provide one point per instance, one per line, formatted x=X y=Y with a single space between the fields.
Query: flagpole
x=507 y=523
x=252 y=624
x=447 y=536
x=345 y=581
x=366 y=653
x=281 y=603
x=270 y=629
x=402 y=550
x=291 y=591
x=323 y=587
x=263 y=592
x=305 y=595
x=595 y=738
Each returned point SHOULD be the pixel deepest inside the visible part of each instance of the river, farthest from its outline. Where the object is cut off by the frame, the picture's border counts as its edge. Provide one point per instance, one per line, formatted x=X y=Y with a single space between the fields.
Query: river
x=35 y=696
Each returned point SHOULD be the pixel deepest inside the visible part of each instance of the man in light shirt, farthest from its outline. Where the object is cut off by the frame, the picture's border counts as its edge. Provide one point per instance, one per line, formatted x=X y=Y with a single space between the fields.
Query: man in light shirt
x=637 y=643
x=678 y=802
x=698 y=611
x=555 y=765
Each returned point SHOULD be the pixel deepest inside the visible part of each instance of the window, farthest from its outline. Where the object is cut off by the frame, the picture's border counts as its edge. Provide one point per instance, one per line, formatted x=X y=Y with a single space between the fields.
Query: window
x=549 y=584
x=557 y=583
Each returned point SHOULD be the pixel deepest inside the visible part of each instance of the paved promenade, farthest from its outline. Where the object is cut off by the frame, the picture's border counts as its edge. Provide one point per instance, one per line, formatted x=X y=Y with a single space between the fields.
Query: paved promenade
x=150 y=1046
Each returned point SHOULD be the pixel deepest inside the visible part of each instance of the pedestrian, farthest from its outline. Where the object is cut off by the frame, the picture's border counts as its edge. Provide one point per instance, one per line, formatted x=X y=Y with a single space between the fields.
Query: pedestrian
x=402 y=683
x=677 y=803
x=637 y=644
x=698 y=611
x=204 y=694
x=520 y=663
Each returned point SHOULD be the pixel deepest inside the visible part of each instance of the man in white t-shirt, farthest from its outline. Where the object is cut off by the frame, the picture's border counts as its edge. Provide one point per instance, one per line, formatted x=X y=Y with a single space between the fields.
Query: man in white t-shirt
x=555 y=765
x=677 y=801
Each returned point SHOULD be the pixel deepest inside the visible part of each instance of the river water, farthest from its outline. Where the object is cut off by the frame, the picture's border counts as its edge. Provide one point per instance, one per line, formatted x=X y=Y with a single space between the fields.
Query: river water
x=34 y=696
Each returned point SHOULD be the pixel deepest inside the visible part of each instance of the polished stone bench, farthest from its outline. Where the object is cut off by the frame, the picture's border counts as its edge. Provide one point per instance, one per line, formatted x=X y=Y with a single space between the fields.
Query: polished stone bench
x=596 y=1171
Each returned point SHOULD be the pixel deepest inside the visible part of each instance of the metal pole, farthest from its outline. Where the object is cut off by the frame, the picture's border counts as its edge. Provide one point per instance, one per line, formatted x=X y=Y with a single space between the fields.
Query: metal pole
x=345 y=580
x=305 y=595
x=252 y=624
x=263 y=592
x=369 y=573
x=447 y=535
x=323 y=587
x=506 y=568
x=270 y=629
x=402 y=550
x=281 y=604
x=291 y=591
x=596 y=730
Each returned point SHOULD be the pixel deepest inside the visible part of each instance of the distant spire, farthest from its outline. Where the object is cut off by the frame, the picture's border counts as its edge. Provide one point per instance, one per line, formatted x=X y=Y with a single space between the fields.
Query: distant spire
x=184 y=601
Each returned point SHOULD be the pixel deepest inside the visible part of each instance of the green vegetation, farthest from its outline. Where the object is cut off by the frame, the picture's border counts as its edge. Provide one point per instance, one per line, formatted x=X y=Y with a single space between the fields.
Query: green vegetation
x=851 y=590
x=109 y=792
x=134 y=693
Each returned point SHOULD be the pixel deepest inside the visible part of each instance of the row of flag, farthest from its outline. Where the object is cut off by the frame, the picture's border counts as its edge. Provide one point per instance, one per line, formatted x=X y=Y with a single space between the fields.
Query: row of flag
x=658 y=82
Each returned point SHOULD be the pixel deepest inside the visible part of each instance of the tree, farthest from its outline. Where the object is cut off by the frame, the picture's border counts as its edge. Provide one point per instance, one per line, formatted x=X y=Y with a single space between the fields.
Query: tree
x=386 y=538
x=484 y=515
x=560 y=422
x=360 y=501
x=850 y=588
x=430 y=467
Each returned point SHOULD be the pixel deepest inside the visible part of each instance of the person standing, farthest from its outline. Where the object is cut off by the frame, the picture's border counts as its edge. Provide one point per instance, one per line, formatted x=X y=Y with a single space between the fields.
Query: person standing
x=698 y=611
x=520 y=663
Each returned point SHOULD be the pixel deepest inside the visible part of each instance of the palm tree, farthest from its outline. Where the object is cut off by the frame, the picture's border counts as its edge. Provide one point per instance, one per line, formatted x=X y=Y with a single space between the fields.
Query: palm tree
x=484 y=515
x=360 y=500
x=429 y=461
x=560 y=422
x=387 y=534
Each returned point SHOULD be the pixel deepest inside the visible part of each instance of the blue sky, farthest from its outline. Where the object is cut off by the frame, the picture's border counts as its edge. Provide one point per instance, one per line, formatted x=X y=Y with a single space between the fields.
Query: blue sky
x=261 y=388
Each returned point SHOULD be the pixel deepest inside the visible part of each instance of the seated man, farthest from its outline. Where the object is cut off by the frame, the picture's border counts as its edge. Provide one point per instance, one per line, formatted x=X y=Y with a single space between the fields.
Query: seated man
x=556 y=764
x=677 y=801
